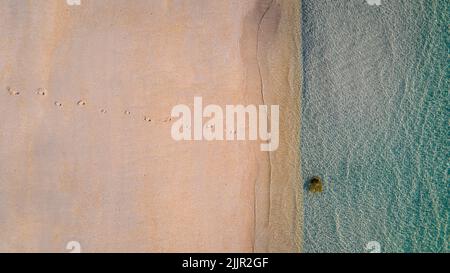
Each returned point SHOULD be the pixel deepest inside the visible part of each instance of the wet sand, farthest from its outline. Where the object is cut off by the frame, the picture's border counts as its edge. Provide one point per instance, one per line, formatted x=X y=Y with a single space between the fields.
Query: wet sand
x=85 y=147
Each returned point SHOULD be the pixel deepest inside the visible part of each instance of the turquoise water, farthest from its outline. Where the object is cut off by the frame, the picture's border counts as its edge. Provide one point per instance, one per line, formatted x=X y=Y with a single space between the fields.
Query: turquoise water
x=375 y=125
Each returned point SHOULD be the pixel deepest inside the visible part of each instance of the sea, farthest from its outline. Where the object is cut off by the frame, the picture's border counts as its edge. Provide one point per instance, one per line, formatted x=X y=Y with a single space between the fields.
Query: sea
x=375 y=125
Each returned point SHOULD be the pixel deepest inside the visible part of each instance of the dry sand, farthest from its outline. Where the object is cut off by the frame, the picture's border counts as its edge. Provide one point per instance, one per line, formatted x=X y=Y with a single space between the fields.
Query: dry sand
x=85 y=147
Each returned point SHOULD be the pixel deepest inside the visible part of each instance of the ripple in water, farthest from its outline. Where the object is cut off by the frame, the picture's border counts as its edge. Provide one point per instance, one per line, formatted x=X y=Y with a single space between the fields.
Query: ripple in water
x=374 y=125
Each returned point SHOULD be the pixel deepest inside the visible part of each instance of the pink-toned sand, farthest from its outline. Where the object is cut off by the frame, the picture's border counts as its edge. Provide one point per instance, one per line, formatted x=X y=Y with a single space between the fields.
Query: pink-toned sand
x=85 y=147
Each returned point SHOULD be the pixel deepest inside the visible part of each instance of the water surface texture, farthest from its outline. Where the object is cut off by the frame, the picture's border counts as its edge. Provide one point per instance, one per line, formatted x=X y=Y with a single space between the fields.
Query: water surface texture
x=375 y=125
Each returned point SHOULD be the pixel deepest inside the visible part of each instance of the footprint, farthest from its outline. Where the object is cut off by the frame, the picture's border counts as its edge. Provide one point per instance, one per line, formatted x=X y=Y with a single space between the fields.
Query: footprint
x=81 y=103
x=12 y=91
x=57 y=103
x=41 y=92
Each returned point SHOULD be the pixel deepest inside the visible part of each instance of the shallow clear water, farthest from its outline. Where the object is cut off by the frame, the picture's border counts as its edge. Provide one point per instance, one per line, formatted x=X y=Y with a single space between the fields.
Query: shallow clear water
x=375 y=125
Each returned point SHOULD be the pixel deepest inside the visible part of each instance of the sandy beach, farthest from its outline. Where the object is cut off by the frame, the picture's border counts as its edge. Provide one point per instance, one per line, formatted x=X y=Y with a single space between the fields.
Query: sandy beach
x=86 y=152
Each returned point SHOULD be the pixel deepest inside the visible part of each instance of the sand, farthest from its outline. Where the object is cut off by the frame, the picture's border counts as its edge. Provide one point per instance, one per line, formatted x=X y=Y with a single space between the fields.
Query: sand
x=86 y=153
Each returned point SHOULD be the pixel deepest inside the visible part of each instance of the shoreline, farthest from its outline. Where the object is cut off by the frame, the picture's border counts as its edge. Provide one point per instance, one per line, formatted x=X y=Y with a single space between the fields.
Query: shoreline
x=280 y=68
